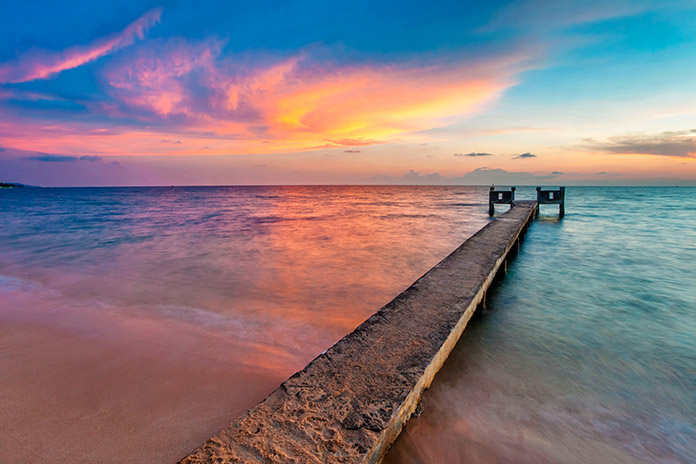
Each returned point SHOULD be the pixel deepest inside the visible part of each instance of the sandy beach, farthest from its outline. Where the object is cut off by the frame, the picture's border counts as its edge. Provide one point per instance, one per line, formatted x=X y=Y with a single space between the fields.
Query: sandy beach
x=119 y=396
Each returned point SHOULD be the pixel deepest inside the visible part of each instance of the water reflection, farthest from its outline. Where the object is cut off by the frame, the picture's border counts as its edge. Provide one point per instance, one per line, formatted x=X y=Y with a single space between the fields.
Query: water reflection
x=134 y=323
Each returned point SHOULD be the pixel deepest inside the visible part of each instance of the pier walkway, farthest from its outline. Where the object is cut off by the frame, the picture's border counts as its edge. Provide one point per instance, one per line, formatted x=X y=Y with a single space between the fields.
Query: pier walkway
x=350 y=403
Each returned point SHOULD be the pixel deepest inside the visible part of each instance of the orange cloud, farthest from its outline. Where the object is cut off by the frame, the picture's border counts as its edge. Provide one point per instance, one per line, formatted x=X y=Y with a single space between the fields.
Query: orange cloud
x=40 y=64
x=298 y=104
x=187 y=91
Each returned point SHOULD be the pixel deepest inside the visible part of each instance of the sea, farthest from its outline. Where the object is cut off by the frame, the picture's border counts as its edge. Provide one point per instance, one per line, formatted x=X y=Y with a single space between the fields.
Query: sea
x=137 y=322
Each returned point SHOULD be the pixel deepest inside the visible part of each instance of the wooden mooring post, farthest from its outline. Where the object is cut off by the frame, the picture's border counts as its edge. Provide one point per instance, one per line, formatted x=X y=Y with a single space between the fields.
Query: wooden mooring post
x=552 y=197
x=501 y=197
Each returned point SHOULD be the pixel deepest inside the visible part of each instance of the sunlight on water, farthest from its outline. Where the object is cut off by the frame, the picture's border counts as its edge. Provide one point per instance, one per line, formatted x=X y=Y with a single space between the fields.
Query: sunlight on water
x=135 y=323
x=587 y=351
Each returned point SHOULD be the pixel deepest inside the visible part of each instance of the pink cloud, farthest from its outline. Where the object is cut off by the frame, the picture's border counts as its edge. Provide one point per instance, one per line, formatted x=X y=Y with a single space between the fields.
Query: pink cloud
x=299 y=103
x=153 y=79
x=40 y=64
x=253 y=103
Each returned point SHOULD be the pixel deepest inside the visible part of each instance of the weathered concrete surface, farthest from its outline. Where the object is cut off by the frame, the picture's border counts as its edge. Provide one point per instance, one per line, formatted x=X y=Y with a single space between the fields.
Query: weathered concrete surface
x=350 y=403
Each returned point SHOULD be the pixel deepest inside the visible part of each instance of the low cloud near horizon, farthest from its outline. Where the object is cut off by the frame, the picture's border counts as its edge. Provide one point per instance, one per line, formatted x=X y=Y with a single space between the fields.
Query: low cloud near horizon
x=679 y=144
x=49 y=158
x=479 y=176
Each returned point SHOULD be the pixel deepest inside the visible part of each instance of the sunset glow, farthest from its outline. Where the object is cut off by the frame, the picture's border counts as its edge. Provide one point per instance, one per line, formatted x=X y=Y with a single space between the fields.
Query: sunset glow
x=153 y=85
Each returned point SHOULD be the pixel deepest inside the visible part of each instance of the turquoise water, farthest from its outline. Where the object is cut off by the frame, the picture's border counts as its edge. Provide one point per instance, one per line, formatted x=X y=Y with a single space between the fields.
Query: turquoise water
x=136 y=322
x=587 y=350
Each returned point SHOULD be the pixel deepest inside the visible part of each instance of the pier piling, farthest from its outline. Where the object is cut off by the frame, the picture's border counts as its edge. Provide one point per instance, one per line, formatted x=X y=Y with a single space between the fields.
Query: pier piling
x=552 y=197
x=504 y=197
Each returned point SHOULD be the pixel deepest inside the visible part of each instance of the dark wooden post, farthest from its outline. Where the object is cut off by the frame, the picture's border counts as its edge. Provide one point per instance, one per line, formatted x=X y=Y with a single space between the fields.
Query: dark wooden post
x=561 y=206
x=552 y=197
x=502 y=197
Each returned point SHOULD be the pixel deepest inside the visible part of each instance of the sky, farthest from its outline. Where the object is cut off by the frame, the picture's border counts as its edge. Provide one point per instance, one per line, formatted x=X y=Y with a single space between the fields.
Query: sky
x=529 y=92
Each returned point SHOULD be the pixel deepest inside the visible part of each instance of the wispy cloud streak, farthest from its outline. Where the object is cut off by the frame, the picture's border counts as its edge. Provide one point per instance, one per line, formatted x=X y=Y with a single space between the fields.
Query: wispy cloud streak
x=678 y=144
x=41 y=64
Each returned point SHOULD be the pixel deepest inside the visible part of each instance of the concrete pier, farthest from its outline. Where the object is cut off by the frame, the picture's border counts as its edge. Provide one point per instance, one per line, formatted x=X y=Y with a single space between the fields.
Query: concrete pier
x=350 y=403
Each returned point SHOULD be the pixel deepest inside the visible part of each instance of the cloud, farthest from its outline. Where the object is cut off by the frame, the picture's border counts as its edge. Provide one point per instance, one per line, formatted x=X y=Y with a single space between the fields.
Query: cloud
x=561 y=14
x=2 y=149
x=351 y=151
x=417 y=177
x=309 y=100
x=47 y=158
x=557 y=173
x=40 y=64
x=678 y=144
x=473 y=155
x=211 y=93
x=354 y=142
x=358 y=142
x=524 y=156
x=486 y=176
x=51 y=158
x=479 y=176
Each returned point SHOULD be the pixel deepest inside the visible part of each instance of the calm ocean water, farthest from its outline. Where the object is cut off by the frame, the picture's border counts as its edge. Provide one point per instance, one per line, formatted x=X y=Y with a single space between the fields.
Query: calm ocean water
x=134 y=323
x=587 y=351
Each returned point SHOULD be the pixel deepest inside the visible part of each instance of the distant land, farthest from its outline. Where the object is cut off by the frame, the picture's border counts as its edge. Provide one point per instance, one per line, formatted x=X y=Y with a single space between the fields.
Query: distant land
x=9 y=185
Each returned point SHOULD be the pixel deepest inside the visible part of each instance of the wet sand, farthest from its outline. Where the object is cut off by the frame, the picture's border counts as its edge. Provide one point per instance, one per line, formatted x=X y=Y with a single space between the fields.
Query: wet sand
x=73 y=398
